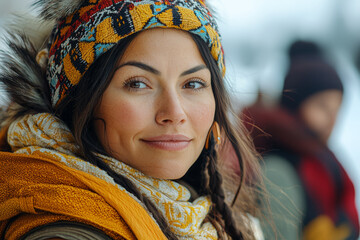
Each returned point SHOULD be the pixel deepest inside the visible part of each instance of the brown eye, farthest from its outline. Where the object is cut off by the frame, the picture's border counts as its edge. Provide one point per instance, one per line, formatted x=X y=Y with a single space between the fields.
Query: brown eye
x=195 y=84
x=135 y=84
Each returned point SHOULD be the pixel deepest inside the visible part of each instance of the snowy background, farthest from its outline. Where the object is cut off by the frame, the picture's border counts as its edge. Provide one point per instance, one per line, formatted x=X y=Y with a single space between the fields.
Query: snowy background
x=256 y=35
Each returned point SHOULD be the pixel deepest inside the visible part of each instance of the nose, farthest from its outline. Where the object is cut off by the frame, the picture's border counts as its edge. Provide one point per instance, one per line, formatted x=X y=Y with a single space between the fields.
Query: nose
x=170 y=109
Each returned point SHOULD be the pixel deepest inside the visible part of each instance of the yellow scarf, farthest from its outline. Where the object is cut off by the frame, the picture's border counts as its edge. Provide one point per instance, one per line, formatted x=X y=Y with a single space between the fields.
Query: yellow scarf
x=46 y=136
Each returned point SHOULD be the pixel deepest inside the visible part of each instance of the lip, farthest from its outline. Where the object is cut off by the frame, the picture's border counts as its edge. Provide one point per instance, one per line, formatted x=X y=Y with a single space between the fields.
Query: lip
x=168 y=142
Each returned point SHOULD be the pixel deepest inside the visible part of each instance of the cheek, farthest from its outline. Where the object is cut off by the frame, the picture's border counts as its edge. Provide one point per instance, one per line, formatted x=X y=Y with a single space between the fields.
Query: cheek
x=203 y=116
x=315 y=118
x=129 y=114
x=123 y=118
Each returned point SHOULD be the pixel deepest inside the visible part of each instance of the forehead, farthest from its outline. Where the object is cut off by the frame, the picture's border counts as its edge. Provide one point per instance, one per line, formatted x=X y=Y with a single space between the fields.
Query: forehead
x=329 y=96
x=325 y=100
x=163 y=47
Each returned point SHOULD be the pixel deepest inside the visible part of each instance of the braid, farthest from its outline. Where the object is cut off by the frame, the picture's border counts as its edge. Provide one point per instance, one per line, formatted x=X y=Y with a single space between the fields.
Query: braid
x=218 y=196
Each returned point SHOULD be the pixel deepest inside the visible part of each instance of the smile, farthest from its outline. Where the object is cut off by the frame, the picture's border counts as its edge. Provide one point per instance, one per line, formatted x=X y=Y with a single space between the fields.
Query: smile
x=168 y=142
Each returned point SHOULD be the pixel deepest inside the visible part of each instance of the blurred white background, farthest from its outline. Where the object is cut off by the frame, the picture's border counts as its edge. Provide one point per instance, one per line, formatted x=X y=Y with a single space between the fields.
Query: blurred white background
x=256 y=35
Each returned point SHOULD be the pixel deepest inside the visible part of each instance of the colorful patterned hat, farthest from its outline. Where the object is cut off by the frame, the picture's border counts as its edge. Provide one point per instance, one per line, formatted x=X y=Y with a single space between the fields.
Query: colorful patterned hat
x=98 y=25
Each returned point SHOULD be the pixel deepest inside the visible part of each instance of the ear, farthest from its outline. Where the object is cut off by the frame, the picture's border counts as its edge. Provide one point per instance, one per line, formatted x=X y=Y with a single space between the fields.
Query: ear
x=56 y=9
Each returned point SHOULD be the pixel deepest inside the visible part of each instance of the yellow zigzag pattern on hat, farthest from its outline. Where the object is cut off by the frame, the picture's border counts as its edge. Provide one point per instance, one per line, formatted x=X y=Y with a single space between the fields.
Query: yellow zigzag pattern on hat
x=98 y=25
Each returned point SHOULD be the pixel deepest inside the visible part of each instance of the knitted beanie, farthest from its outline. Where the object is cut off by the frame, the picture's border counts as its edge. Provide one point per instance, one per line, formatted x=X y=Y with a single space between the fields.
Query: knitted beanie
x=308 y=74
x=86 y=29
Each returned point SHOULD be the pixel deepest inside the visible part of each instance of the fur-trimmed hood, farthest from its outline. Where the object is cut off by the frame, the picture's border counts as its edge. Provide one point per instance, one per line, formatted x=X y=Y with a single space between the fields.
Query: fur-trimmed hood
x=22 y=76
x=22 y=72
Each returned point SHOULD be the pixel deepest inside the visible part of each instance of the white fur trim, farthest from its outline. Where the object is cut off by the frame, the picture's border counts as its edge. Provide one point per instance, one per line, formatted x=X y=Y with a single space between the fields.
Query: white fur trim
x=56 y=9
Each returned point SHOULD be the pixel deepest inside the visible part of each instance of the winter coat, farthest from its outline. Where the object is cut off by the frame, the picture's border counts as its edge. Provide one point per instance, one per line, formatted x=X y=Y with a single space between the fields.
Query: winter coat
x=310 y=193
x=37 y=192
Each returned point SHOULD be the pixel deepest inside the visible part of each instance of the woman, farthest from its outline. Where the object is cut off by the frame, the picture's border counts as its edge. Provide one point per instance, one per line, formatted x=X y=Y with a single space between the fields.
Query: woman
x=311 y=195
x=112 y=133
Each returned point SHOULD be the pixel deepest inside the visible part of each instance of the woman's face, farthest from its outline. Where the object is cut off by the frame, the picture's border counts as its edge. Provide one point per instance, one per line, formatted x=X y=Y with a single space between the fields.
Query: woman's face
x=319 y=112
x=159 y=105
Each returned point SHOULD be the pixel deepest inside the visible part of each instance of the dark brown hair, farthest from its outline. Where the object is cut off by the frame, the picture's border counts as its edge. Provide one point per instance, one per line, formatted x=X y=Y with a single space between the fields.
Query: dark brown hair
x=77 y=111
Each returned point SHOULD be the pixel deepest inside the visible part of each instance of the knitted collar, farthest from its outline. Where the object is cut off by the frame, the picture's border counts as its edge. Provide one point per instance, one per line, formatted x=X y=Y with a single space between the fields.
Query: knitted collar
x=47 y=136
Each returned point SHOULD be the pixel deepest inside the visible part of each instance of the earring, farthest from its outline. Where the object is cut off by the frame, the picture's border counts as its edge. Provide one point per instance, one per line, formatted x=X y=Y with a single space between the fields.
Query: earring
x=215 y=131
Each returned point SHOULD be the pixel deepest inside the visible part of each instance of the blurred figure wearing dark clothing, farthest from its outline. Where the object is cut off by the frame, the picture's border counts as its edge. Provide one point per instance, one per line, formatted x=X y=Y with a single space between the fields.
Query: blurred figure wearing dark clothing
x=311 y=197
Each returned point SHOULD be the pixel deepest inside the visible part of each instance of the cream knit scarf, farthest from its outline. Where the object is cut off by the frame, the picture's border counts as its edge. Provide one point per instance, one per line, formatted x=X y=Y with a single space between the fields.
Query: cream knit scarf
x=45 y=135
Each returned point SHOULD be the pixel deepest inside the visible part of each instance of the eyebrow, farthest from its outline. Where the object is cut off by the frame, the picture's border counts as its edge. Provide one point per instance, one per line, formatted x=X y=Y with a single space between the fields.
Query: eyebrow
x=157 y=72
x=193 y=70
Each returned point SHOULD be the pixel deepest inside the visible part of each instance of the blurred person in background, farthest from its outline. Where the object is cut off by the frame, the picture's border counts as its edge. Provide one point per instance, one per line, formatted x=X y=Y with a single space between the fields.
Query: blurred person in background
x=311 y=195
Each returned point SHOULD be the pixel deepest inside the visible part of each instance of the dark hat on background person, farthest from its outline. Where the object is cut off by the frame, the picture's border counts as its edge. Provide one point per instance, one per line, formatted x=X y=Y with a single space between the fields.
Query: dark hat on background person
x=302 y=49
x=309 y=73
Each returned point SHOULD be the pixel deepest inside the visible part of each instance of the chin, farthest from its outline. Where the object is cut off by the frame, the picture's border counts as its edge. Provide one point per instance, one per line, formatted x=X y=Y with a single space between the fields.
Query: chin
x=169 y=167
x=168 y=174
